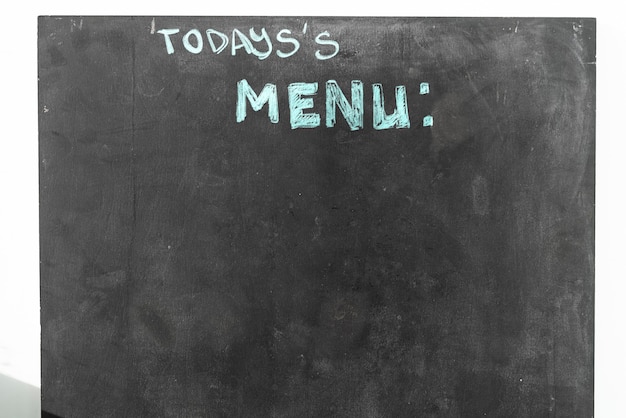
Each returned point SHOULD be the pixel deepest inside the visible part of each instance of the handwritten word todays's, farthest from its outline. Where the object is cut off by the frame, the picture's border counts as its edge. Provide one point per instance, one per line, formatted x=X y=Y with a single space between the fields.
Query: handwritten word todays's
x=258 y=43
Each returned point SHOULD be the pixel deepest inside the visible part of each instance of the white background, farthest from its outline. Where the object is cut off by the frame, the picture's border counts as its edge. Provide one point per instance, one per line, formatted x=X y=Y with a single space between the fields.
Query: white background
x=19 y=251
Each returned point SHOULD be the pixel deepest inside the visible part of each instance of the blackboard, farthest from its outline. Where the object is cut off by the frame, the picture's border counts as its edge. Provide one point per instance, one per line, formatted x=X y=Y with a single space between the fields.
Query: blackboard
x=317 y=216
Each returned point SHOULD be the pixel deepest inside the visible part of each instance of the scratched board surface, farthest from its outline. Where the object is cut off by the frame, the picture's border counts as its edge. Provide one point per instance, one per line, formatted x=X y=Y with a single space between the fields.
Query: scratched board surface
x=350 y=217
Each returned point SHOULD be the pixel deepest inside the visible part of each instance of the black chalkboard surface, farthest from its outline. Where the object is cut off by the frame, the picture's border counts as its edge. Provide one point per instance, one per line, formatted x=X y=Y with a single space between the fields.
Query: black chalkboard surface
x=347 y=217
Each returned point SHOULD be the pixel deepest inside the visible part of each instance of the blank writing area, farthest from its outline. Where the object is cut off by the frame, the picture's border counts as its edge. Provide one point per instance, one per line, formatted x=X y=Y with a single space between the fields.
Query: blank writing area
x=379 y=217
